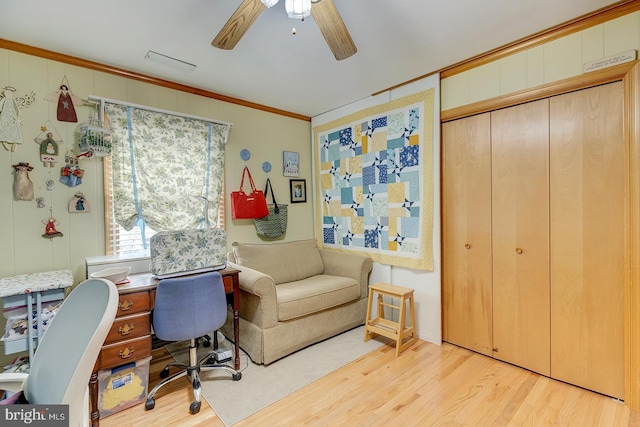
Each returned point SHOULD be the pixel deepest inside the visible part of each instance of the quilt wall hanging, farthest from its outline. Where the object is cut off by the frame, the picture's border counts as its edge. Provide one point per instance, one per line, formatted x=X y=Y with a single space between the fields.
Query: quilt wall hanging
x=374 y=182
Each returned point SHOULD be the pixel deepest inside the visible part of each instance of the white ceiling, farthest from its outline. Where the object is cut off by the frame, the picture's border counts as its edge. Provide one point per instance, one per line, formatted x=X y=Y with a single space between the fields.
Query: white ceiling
x=397 y=40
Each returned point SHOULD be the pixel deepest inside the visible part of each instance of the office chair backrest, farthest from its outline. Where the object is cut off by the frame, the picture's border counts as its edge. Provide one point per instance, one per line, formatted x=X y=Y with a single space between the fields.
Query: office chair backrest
x=189 y=307
x=65 y=357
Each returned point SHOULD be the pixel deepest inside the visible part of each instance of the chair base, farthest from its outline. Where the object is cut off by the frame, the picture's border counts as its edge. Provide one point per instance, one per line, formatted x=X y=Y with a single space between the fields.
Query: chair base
x=193 y=369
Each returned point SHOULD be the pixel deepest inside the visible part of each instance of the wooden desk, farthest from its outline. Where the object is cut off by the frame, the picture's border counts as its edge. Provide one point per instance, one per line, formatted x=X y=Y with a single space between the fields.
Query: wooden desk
x=130 y=336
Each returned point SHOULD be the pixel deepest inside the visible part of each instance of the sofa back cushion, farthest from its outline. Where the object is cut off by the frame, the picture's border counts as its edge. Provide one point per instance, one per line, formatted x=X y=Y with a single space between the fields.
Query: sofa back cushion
x=284 y=262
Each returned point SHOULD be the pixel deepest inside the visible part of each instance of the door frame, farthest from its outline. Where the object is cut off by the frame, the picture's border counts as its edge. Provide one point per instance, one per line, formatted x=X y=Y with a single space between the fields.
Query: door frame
x=629 y=74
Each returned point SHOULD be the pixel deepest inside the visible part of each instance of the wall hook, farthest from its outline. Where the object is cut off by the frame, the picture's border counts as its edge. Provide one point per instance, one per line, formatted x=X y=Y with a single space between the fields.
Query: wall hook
x=266 y=167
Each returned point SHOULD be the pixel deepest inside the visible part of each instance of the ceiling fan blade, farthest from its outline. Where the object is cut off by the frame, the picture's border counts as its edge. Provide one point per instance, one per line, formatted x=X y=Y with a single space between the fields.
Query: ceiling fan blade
x=333 y=29
x=244 y=16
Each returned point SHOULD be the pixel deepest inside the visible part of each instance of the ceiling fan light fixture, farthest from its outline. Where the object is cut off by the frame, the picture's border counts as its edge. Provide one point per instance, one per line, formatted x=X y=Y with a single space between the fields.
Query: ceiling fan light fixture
x=298 y=9
x=269 y=3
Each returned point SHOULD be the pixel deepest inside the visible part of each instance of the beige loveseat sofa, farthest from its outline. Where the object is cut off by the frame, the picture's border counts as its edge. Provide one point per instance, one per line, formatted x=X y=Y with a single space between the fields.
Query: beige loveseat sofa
x=294 y=294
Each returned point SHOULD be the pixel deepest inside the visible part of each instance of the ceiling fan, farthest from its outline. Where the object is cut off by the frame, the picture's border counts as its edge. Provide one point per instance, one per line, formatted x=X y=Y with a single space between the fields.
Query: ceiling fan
x=324 y=13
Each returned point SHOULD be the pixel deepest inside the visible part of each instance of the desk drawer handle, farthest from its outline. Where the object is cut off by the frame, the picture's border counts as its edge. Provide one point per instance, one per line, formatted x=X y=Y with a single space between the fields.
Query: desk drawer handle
x=126 y=353
x=126 y=329
x=125 y=305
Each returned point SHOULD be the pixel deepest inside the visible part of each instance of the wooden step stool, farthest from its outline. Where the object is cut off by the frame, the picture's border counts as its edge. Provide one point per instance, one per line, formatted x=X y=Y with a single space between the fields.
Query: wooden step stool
x=379 y=325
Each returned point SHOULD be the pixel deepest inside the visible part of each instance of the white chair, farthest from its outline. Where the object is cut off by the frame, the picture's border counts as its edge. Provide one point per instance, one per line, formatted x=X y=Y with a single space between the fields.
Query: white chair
x=64 y=359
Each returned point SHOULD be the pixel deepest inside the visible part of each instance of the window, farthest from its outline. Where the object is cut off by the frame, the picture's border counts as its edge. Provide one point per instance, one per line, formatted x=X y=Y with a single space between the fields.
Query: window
x=165 y=173
x=119 y=241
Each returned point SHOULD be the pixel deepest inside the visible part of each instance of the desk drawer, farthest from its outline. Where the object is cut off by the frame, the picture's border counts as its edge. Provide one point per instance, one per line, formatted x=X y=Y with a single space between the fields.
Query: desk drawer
x=124 y=352
x=228 y=284
x=129 y=327
x=133 y=303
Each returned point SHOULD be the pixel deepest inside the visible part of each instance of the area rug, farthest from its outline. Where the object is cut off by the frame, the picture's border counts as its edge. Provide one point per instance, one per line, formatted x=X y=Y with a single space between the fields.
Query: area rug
x=262 y=385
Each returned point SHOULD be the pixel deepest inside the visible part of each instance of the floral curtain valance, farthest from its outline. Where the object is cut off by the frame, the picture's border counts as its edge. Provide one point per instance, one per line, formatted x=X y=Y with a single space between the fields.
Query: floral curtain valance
x=167 y=170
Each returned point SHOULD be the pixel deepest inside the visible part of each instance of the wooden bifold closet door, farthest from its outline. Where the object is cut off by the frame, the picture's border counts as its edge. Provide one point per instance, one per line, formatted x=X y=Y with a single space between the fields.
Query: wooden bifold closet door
x=466 y=221
x=588 y=238
x=520 y=229
x=534 y=236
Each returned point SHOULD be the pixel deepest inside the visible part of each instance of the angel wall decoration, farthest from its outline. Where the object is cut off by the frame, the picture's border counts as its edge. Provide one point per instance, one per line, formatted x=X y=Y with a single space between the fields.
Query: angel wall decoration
x=50 y=227
x=66 y=111
x=10 y=122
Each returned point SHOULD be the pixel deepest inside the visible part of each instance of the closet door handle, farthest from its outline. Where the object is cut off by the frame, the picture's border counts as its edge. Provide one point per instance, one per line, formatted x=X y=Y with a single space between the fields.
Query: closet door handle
x=518 y=251
x=467 y=246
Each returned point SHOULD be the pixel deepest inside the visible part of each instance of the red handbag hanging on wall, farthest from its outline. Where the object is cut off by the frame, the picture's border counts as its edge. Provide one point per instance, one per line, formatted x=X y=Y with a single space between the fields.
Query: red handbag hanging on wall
x=248 y=206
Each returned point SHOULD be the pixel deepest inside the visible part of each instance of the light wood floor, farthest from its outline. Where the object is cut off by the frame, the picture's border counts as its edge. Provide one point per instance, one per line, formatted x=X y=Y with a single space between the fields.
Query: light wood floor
x=427 y=385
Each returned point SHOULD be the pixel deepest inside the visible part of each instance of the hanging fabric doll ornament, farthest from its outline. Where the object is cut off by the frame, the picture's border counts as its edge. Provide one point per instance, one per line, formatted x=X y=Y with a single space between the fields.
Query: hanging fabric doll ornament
x=79 y=204
x=10 y=122
x=49 y=146
x=22 y=185
x=71 y=175
x=50 y=227
x=66 y=111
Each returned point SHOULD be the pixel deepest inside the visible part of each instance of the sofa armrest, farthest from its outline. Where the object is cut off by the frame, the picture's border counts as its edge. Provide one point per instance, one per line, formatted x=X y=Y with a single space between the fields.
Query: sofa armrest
x=258 y=303
x=345 y=264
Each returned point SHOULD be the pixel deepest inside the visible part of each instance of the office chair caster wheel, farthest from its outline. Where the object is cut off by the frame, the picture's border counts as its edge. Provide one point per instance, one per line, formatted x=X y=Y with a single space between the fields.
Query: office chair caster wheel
x=236 y=377
x=150 y=404
x=164 y=373
x=194 y=408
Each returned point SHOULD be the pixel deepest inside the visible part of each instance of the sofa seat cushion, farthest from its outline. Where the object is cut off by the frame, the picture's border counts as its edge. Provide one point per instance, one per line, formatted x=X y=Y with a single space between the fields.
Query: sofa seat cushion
x=284 y=262
x=314 y=294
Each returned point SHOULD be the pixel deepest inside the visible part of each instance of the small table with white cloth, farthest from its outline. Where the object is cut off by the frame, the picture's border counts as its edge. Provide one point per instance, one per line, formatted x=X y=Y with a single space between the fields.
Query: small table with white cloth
x=26 y=294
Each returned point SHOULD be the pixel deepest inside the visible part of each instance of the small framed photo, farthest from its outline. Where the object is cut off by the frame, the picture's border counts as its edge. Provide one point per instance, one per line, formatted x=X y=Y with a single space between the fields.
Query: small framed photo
x=291 y=163
x=298 y=188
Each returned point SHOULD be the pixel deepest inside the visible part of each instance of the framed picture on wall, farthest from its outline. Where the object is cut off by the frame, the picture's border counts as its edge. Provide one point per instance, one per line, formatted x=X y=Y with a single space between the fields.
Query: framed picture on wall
x=298 y=188
x=291 y=163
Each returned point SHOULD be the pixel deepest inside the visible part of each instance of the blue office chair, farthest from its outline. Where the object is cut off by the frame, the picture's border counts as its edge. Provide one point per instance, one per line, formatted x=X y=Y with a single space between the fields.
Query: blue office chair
x=187 y=308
